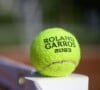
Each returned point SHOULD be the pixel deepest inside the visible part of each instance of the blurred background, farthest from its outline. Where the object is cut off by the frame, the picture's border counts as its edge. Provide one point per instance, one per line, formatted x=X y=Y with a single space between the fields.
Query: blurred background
x=22 y=20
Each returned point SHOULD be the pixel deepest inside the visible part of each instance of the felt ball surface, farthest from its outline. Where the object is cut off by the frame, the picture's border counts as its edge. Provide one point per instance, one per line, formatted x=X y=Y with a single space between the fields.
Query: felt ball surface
x=55 y=52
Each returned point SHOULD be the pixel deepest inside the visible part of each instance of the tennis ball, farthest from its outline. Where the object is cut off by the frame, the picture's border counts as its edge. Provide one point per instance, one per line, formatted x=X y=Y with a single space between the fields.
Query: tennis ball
x=55 y=52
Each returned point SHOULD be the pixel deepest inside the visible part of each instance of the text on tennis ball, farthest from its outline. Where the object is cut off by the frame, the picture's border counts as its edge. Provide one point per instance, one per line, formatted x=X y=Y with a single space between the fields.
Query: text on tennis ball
x=61 y=43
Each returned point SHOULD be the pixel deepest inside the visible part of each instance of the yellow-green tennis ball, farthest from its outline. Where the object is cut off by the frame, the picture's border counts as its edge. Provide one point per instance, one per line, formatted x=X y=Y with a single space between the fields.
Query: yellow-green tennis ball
x=55 y=52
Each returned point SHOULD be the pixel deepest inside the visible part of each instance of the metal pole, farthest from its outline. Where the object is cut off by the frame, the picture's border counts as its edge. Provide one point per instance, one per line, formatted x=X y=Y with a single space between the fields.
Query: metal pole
x=31 y=13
